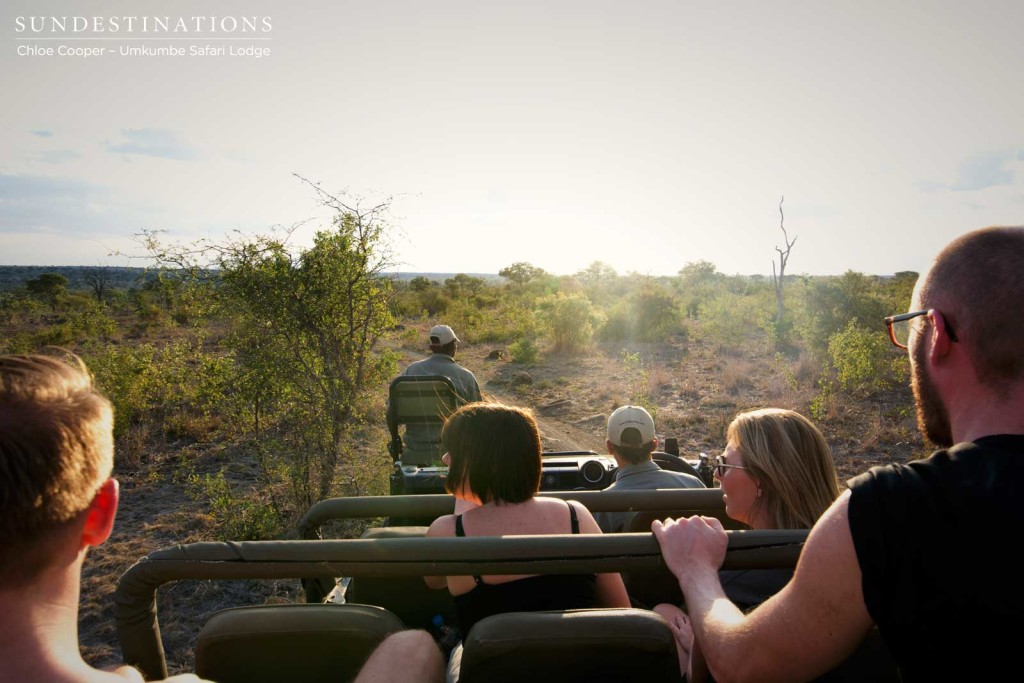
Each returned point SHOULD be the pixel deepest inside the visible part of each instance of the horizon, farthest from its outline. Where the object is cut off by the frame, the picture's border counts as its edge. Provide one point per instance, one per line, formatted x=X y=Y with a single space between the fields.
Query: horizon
x=413 y=273
x=557 y=134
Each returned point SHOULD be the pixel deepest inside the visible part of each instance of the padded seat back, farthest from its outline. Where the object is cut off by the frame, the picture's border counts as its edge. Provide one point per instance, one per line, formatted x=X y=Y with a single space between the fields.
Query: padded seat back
x=570 y=646
x=298 y=643
x=425 y=400
x=408 y=597
x=647 y=588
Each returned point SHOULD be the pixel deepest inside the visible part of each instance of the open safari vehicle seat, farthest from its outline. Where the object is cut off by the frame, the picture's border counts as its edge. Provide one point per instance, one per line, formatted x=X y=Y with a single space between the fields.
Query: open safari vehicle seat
x=428 y=399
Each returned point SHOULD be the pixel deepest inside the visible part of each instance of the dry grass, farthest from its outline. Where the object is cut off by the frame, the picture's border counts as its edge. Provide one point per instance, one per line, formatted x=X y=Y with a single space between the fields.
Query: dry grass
x=736 y=375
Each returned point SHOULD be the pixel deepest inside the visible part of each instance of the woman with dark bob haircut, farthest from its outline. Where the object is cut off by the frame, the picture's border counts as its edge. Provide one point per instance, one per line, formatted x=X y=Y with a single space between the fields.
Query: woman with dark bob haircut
x=494 y=466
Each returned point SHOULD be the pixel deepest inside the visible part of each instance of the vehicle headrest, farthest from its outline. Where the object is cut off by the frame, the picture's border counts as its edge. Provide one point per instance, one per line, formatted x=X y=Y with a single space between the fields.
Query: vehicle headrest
x=295 y=643
x=570 y=646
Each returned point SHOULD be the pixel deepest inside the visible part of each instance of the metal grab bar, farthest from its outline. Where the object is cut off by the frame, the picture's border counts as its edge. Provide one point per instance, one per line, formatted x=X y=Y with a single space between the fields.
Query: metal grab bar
x=135 y=607
x=434 y=505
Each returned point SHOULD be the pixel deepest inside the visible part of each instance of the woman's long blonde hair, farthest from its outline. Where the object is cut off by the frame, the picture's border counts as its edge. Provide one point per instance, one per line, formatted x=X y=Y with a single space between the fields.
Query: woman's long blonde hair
x=791 y=461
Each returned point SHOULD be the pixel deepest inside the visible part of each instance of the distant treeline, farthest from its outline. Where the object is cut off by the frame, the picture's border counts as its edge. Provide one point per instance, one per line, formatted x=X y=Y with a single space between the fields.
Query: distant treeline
x=15 y=277
x=120 y=277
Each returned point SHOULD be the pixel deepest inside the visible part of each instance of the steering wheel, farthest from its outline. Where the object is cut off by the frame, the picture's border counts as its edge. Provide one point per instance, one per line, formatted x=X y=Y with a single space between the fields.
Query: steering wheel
x=673 y=463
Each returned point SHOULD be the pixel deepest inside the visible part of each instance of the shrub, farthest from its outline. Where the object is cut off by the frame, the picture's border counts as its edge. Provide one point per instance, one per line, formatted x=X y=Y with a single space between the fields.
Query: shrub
x=731 y=320
x=618 y=325
x=524 y=351
x=568 y=319
x=861 y=358
x=657 y=313
x=828 y=304
x=146 y=382
x=501 y=322
x=650 y=314
x=238 y=517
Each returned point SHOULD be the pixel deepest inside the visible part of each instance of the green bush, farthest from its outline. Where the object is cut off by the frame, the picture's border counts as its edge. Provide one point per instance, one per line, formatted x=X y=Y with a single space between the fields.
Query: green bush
x=618 y=324
x=476 y=323
x=731 y=320
x=651 y=313
x=657 y=313
x=83 y=324
x=238 y=517
x=524 y=351
x=569 y=320
x=826 y=305
x=862 y=359
x=149 y=383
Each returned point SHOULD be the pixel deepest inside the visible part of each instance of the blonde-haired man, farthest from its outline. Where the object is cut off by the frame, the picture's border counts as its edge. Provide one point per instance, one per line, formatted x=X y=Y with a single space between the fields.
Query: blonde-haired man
x=57 y=500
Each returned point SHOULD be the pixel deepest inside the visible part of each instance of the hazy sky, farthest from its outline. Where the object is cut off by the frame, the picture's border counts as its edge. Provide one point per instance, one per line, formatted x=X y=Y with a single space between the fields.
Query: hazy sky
x=643 y=134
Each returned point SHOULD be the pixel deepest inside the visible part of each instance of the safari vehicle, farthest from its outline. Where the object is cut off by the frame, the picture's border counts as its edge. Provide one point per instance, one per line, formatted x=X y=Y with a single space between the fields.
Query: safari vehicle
x=428 y=400
x=358 y=591
x=328 y=641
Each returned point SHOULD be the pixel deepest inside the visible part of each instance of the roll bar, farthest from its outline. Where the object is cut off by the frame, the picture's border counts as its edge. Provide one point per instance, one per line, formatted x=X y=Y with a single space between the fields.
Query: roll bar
x=695 y=501
x=135 y=608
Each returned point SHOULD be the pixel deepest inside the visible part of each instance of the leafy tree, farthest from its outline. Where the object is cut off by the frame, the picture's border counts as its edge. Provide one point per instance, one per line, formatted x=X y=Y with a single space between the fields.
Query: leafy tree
x=309 y=323
x=598 y=271
x=48 y=287
x=862 y=359
x=306 y=323
x=464 y=286
x=649 y=313
x=420 y=284
x=520 y=273
x=698 y=272
x=698 y=279
x=830 y=303
x=899 y=289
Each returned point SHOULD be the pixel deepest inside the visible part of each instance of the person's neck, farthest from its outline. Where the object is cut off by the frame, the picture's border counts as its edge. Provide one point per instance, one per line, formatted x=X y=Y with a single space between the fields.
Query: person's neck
x=39 y=629
x=623 y=463
x=983 y=413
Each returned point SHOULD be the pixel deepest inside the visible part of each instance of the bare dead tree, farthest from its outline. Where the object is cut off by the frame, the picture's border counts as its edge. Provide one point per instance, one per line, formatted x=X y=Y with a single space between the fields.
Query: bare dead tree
x=777 y=281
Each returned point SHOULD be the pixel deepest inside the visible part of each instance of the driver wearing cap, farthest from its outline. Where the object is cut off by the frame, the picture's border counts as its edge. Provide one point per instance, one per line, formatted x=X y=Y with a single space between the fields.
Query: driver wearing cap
x=631 y=440
x=422 y=443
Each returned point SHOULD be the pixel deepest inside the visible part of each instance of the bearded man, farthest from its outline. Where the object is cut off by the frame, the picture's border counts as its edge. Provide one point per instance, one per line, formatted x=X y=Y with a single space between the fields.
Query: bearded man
x=919 y=549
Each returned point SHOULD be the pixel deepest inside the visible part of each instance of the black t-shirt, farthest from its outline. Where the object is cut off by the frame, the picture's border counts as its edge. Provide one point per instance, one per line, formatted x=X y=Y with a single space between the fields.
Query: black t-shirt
x=934 y=539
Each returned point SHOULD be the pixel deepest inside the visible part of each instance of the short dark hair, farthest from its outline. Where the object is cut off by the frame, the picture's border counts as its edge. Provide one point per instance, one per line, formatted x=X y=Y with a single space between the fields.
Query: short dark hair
x=494 y=450
x=448 y=348
x=633 y=454
x=56 y=450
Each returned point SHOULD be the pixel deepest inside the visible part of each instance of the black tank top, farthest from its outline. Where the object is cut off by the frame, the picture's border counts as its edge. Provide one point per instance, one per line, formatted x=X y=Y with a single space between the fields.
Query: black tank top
x=532 y=594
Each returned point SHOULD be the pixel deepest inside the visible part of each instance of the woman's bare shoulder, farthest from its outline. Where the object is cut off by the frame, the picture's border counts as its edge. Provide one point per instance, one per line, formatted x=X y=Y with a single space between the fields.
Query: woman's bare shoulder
x=442 y=526
x=545 y=500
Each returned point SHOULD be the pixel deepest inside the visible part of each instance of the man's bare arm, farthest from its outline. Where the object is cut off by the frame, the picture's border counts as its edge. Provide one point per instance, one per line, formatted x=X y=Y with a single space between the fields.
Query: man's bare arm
x=809 y=627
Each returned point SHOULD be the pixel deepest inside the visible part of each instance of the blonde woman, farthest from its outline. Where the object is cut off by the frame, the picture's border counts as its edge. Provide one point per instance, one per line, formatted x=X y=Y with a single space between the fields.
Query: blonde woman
x=776 y=472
